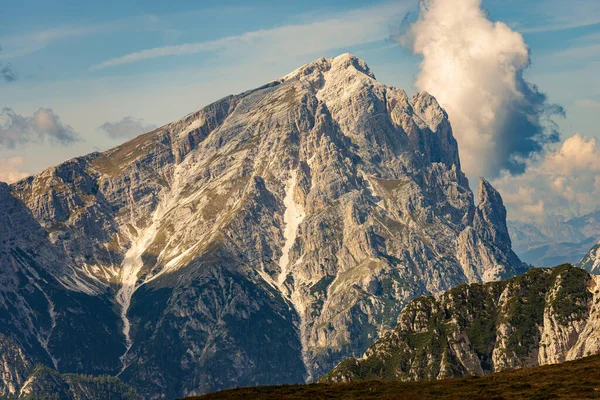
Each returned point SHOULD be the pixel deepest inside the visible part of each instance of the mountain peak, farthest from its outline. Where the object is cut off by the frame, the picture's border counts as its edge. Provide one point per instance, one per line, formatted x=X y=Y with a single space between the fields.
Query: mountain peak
x=492 y=215
x=487 y=193
x=336 y=64
x=313 y=208
x=346 y=60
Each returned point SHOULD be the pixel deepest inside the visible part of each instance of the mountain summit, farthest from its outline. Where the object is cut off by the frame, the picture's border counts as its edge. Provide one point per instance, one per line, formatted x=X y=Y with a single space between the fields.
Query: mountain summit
x=260 y=240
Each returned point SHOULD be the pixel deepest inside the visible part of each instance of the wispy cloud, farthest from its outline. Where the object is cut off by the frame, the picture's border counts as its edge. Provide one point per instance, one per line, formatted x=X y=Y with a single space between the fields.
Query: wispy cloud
x=582 y=50
x=335 y=31
x=557 y=15
x=7 y=73
x=589 y=104
x=20 y=45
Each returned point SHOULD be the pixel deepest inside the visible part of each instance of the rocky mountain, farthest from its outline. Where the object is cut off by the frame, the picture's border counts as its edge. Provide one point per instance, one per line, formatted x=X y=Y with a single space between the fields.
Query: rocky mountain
x=555 y=241
x=591 y=261
x=260 y=240
x=545 y=316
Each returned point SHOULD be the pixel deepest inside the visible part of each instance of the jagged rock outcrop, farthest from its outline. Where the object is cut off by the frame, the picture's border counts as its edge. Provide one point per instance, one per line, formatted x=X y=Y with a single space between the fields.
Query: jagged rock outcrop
x=268 y=236
x=591 y=261
x=545 y=316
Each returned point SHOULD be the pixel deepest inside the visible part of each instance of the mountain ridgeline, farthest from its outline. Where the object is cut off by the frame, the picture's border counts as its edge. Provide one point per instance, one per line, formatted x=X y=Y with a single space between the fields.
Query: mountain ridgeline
x=260 y=240
x=545 y=316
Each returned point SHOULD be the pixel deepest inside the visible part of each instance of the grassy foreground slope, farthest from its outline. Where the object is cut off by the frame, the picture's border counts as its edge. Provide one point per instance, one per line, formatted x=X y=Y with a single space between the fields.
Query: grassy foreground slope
x=578 y=379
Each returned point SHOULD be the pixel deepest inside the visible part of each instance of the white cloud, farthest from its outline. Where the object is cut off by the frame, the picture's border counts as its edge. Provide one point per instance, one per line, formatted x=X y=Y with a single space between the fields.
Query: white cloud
x=16 y=129
x=474 y=67
x=335 y=31
x=564 y=182
x=11 y=169
x=127 y=127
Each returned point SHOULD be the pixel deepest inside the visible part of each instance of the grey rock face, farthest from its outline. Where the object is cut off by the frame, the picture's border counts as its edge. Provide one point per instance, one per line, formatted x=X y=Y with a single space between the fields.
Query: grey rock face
x=41 y=319
x=266 y=237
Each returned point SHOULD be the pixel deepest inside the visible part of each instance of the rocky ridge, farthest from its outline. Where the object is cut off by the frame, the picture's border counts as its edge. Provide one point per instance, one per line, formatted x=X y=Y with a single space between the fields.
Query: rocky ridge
x=264 y=238
x=545 y=316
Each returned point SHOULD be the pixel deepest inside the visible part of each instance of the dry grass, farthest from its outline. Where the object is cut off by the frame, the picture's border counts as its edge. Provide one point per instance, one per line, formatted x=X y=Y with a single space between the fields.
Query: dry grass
x=572 y=380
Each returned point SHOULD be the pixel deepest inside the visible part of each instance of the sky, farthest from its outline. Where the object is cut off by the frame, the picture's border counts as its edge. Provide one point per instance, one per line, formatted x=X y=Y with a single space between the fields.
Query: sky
x=77 y=77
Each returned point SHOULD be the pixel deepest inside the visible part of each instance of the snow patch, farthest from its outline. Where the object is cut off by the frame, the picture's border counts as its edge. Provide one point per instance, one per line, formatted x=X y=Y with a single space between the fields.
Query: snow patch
x=191 y=127
x=292 y=217
x=132 y=264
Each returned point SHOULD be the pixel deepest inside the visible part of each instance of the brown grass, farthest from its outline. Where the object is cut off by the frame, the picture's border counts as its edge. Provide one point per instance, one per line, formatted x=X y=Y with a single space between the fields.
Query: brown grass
x=571 y=380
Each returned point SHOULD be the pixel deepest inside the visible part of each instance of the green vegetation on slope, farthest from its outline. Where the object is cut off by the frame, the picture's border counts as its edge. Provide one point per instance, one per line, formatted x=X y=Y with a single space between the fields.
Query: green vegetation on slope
x=473 y=329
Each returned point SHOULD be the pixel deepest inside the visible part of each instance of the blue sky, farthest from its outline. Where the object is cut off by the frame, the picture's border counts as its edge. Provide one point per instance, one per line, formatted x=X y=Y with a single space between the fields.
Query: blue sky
x=94 y=63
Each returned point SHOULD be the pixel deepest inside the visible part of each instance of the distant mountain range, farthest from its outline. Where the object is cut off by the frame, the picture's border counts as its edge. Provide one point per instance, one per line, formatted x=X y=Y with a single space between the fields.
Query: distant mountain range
x=555 y=241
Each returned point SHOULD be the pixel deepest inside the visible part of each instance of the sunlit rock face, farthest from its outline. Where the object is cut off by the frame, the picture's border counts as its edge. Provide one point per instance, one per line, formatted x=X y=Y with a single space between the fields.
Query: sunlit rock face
x=262 y=239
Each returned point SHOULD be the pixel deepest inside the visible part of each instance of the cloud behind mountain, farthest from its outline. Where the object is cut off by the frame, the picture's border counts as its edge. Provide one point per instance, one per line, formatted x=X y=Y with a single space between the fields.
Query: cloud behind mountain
x=475 y=67
x=127 y=127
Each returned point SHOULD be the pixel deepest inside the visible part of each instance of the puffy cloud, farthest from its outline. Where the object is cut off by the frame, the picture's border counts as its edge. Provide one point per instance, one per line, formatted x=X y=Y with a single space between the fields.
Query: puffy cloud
x=561 y=183
x=11 y=169
x=44 y=124
x=474 y=67
x=128 y=127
